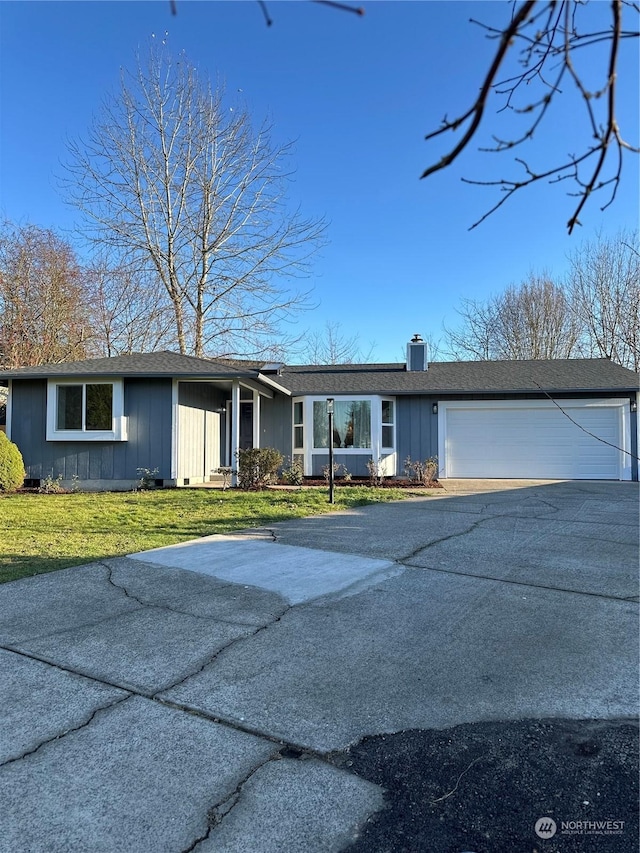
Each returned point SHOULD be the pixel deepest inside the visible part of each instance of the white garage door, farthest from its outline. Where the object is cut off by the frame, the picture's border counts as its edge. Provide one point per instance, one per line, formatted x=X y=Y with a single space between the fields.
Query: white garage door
x=533 y=440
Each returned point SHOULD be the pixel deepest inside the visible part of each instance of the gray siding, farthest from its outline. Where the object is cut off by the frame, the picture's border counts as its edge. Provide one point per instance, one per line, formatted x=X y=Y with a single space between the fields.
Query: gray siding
x=416 y=429
x=276 y=423
x=356 y=464
x=147 y=405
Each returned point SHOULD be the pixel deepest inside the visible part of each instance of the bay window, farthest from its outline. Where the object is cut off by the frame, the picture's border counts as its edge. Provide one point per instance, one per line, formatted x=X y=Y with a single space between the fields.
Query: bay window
x=363 y=429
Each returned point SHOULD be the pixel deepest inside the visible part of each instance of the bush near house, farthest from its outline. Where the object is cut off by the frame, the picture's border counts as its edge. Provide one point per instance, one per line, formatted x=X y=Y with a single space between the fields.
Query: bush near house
x=12 y=471
x=258 y=467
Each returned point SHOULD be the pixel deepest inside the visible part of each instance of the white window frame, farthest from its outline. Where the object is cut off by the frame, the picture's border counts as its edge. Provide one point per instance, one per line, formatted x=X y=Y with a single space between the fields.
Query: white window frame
x=118 y=432
x=376 y=451
x=298 y=425
x=392 y=423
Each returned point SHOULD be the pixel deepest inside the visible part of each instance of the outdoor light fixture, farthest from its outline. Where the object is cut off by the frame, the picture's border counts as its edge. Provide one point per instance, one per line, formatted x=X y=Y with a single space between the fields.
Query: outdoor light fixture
x=330 y=414
x=434 y=408
x=633 y=406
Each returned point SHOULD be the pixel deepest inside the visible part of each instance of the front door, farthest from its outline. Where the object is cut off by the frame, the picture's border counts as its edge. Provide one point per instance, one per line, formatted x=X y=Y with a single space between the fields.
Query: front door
x=246 y=426
x=246 y=429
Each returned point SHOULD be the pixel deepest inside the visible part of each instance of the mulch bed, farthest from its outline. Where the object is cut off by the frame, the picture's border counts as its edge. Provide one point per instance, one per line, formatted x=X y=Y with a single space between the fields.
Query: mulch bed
x=387 y=483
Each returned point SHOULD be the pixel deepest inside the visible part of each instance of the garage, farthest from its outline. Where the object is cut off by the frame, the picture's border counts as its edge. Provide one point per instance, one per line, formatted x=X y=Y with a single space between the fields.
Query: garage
x=535 y=439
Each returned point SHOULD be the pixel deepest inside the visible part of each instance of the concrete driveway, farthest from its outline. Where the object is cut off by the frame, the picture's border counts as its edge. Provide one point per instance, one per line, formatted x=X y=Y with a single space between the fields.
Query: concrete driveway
x=436 y=674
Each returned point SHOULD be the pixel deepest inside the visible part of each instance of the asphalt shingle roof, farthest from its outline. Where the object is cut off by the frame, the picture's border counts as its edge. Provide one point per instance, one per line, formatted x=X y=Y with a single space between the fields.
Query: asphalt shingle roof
x=464 y=377
x=165 y=363
x=457 y=377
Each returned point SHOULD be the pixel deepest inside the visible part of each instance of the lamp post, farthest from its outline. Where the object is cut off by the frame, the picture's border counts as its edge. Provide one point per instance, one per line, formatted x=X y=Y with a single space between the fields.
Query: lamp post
x=330 y=413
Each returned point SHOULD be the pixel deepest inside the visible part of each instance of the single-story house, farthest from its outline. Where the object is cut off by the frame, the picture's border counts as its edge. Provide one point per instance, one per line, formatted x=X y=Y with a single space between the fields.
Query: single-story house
x=102 y=419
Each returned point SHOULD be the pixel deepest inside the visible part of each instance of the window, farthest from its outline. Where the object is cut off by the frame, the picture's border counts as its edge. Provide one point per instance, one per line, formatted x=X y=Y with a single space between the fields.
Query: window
x=351 y=424
x=388 y=422
x=85 y=411
x=298 y=425
x=85 y=407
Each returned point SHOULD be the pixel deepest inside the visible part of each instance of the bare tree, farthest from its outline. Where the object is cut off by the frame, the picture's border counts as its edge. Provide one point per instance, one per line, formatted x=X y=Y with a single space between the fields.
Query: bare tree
x=182 y=186
x=604 y=288
x=129 y=314
x=543 y=41
x=534 y=320
x=44 y=315
x=332 y=346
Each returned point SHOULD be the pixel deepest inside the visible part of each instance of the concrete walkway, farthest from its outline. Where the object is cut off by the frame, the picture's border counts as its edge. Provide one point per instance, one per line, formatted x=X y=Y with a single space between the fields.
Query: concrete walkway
x=216 y=695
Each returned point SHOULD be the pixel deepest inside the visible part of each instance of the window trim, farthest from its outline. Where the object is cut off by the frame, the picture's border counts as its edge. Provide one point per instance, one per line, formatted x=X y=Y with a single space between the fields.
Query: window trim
x=119 y=421
x=391 y=423
x=298 y=425
x=376 y=451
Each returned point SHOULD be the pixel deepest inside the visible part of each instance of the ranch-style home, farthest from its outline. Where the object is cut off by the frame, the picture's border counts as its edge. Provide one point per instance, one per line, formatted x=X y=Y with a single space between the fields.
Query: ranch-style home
x=102 y=419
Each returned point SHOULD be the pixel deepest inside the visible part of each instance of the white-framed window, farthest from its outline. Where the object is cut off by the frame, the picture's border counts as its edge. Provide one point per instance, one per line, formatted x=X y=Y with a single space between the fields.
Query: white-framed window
x=388 y=423
x=298 y=425
x=351 y=424
x=85 y=410
x=363 y=425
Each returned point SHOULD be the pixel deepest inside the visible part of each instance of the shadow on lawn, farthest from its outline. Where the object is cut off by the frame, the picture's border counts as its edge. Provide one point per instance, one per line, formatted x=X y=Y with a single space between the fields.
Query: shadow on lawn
x=15 y=566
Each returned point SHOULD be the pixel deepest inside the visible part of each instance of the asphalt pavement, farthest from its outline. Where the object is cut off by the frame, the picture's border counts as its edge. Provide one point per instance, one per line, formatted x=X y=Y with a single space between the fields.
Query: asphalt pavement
x=442 y=674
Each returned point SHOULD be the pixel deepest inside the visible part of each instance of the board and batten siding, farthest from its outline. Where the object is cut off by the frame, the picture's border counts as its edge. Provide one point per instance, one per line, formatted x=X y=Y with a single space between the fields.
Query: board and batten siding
x=199 y=431
x=147 y=406
x=355 y=463
x=276 y=424
x=416 y=429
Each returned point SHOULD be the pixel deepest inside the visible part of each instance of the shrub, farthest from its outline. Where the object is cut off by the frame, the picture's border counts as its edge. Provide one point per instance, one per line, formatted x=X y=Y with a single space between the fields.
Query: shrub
x=376 y=475
x=337 y=468
x=293 y=473
x=421 y=472
x=51 y=485
x=12 y=471
x=227 y=472
x=147 y=478
x=257 y=467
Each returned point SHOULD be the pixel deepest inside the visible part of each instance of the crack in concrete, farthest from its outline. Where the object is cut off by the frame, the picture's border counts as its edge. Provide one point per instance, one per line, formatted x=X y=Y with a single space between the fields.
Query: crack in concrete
x=412 y=554
x=529 y=584
x=71 y=671
x=168 y=608
x=403 y=560
x=294 y=750
x=155 y=695
x=66 y=732
x=287 y=749
x=223 y=808
x=270 y=532
x=212 y=659
x=219 y=811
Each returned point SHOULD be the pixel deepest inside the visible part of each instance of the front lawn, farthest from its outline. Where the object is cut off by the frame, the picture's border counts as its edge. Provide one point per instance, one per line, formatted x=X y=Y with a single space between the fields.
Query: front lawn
x=42 y=533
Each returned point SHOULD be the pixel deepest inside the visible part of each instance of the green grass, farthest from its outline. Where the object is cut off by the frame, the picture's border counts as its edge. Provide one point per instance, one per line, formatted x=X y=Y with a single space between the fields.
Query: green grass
x=43 y=533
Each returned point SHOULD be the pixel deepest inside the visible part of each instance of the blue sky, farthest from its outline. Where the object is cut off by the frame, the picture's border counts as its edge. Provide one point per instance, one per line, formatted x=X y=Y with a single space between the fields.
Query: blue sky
x=358 y=94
